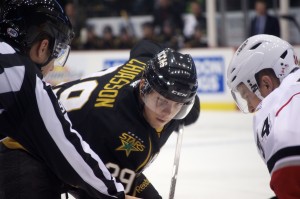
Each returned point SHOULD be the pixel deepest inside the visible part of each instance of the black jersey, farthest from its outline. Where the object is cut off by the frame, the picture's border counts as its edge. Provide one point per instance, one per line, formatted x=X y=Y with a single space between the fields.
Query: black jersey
x=105 y=108
x=31 y=114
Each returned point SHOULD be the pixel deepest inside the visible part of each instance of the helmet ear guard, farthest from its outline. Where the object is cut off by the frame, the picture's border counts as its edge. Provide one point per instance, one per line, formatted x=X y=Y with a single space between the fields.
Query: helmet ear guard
x=145 y=87
x=285 y=64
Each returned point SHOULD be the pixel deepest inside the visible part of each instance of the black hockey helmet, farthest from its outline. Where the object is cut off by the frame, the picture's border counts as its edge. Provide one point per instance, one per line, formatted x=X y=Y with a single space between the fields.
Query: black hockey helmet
x=173 y=75
x=24 y=22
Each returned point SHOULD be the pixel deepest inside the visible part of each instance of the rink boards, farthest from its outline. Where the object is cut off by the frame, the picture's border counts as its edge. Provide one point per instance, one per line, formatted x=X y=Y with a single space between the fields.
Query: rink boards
x=211 y=66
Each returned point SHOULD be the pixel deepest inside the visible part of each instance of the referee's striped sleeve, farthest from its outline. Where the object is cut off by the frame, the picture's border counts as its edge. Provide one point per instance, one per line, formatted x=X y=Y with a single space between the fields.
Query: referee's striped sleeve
x=85 y=162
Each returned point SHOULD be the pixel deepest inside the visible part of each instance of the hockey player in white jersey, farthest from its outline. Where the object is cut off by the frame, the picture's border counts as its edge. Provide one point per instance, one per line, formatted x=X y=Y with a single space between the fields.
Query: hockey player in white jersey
x=264 y=78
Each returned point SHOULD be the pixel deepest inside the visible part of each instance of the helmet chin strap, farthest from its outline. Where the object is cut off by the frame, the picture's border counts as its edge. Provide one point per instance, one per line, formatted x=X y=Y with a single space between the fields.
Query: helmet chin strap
x=45 y=63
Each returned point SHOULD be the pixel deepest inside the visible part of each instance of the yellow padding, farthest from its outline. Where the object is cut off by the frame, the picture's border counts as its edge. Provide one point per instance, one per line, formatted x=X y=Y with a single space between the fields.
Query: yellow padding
x=218 y=106
x=12 y=144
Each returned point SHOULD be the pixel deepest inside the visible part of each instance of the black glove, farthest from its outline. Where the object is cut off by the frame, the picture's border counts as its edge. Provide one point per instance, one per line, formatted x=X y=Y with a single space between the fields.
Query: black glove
x=144 y=189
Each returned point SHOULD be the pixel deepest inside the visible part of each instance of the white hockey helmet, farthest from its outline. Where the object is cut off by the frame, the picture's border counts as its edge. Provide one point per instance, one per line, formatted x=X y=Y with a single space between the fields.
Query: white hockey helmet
x=254 y=54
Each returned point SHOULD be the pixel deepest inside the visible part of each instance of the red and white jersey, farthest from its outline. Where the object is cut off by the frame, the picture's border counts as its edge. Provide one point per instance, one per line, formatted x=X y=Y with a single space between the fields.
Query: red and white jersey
x=277 y=134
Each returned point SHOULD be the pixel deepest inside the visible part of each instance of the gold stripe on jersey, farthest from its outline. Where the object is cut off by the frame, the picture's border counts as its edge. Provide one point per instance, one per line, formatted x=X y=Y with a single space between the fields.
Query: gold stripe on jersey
x=159 y=130
x=107 y=96
x=148 y=157
x=12 y=144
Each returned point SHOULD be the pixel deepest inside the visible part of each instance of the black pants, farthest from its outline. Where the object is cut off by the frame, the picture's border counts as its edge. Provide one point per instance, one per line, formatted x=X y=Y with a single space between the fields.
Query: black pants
x=24 y=177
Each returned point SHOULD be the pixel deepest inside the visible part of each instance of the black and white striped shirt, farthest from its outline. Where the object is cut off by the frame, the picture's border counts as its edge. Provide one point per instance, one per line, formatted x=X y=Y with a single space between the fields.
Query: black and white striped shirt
x=31 y=114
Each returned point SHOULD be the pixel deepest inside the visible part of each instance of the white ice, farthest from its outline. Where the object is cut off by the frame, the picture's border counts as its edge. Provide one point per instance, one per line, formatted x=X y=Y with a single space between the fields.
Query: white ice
x=218 y=160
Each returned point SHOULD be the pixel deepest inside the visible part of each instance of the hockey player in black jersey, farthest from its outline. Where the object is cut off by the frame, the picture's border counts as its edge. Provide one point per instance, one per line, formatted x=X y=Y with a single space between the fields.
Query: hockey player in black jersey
x=127 y=113
x=33 y=35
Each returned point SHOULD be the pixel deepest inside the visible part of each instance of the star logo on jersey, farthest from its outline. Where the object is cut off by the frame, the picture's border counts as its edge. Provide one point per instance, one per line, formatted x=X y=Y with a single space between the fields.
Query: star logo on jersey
x=127 y=147
x=129 y=143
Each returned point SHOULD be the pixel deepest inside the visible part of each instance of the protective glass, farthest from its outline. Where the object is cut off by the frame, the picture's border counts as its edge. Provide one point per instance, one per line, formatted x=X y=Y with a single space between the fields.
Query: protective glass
x=186 y=108
x=160 y=105
x=245 y=99
x=61 y=54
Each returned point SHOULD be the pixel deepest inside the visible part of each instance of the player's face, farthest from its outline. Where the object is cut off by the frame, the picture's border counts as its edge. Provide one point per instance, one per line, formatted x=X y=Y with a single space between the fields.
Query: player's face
x=246 y=100
x=158 y=110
